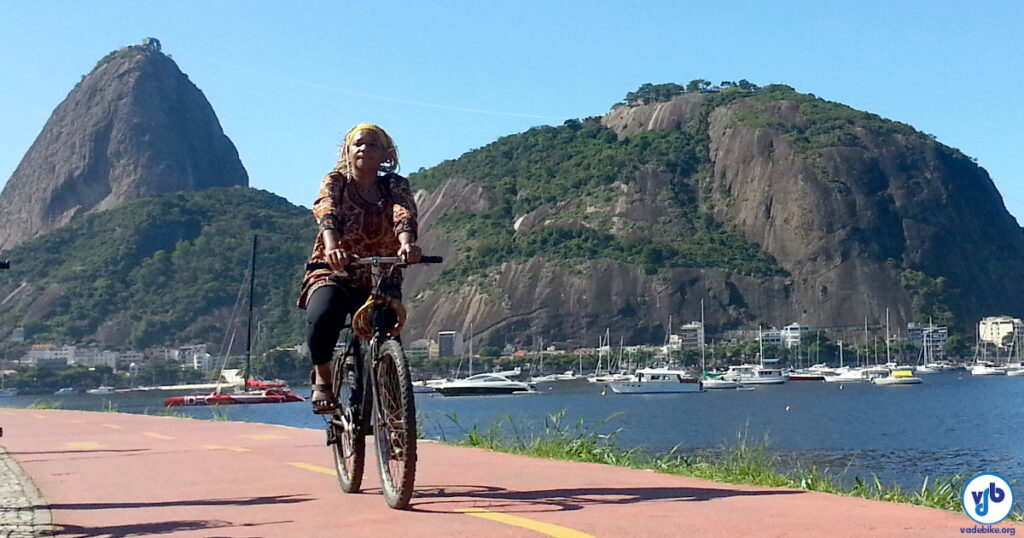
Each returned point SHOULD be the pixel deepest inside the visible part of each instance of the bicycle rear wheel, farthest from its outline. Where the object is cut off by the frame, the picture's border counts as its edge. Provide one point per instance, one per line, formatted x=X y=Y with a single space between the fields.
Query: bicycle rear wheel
x=347 y=435
x=394 y=427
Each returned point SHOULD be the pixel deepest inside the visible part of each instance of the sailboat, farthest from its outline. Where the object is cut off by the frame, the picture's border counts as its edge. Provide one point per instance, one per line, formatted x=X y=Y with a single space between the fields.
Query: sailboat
x=251 y=392
x=756 y=374
x=609 y=375
x=898 y=375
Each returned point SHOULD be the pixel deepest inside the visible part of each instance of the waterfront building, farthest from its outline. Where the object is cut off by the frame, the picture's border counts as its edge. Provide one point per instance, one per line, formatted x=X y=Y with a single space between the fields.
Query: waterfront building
x=931 y=337
x=999 y=329
x=196 y=357
x=794 y=333
x=771 y=337
x=48 y=355
x=418 y=348
x=18 y=334
x=692 y=335
x=449 y=344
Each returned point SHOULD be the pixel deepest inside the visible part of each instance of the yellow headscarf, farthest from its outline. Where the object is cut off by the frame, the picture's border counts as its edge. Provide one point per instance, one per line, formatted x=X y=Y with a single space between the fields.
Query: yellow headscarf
x=389 y=165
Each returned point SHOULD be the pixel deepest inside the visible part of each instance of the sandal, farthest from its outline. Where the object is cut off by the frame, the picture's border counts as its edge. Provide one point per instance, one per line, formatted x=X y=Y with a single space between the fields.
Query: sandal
x=324 y=404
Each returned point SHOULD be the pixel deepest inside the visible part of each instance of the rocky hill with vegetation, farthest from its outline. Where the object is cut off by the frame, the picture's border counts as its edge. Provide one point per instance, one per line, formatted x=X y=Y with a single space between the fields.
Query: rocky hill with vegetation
x=135 y=126
x=764 y=205
x=769 y=205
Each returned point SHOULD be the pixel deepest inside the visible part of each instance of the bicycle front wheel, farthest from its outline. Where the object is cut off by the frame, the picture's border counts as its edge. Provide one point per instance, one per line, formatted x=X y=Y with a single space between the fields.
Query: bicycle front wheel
x=347 y=435
x=394 y=427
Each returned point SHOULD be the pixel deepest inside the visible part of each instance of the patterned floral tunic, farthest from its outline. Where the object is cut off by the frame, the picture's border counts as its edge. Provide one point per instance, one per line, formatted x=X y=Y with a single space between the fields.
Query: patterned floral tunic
x=366 y=229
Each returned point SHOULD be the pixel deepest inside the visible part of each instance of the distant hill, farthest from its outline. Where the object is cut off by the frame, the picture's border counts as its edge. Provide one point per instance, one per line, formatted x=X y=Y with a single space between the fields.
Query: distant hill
x=165 y=270
x=135 y=126
x=770 y=205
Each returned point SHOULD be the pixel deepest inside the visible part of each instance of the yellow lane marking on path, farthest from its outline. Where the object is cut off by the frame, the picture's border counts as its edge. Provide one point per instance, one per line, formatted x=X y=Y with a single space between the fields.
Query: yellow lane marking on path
x=231 y=448
x=549 y=529
x=84 y=445
x=40 y=416
x=311 y=467
x=113 y=426
x=265 y=436
x=155 y=435
x=76 y=421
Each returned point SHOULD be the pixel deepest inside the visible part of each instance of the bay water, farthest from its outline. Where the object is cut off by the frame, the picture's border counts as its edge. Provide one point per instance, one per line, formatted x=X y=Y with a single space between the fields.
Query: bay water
x=952 y=423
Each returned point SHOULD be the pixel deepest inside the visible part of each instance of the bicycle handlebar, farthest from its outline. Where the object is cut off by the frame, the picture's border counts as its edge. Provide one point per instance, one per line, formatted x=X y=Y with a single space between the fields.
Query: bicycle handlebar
x=377 y=260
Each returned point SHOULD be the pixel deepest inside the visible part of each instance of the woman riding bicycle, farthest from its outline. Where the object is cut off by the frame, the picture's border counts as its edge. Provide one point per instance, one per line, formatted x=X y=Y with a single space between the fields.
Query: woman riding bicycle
x=363 y=209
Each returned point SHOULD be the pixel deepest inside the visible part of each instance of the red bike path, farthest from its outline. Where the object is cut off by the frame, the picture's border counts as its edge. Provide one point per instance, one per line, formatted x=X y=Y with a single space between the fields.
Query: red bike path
x=114 y=474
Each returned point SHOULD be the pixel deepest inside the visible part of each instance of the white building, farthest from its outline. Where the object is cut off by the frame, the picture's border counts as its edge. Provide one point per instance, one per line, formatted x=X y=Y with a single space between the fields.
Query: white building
x=996 y=329
x=48 y=355
x=794 y=333
x=196 y=357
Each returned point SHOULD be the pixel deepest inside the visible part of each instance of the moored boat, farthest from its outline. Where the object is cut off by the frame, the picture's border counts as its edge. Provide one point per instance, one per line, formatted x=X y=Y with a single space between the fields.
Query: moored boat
x=714 y=381
x=982 y=367
x=274 y=395
x=753 y=374
x=848 y=375
x=483 y=384
x=904 y=376
x=657 y=381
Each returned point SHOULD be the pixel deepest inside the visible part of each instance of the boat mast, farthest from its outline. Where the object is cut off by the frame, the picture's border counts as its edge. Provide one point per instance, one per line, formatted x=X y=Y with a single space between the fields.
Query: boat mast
x=760 y=346
x=703 y=365
x=887 y=359
x=248 y=326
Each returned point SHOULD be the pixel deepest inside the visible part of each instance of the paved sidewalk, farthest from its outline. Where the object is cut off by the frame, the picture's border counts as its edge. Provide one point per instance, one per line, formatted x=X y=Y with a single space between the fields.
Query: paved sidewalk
x=23 y=512
x=111 y=474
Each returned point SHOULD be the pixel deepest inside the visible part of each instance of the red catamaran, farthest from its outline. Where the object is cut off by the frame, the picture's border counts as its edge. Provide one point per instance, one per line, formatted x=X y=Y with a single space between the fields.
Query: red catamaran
x=253 y=391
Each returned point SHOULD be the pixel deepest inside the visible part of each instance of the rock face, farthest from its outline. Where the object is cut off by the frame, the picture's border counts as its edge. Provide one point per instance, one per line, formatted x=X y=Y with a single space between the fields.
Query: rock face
x=846 y=220
x=134 y=127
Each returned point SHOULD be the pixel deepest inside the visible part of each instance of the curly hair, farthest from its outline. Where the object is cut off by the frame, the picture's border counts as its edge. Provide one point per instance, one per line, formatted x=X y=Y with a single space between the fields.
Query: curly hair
x=390 y=165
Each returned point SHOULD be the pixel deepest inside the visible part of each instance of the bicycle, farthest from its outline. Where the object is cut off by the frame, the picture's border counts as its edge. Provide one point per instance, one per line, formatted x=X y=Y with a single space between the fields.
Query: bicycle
x=372 y=333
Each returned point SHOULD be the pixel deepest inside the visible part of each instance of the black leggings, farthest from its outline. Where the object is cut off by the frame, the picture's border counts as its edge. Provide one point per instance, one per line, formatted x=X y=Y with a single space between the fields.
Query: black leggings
x=326 y=311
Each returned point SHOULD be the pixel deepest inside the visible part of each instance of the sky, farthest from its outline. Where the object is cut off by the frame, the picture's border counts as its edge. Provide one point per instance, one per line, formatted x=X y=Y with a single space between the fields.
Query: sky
x=288 y=79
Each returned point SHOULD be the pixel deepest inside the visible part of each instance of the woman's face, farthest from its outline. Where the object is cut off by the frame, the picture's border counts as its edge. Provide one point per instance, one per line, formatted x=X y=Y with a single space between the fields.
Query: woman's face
x=366 y=151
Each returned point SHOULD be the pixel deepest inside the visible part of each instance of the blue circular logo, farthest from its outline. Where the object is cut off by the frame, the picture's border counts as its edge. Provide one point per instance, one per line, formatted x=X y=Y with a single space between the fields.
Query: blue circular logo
x=987 y=498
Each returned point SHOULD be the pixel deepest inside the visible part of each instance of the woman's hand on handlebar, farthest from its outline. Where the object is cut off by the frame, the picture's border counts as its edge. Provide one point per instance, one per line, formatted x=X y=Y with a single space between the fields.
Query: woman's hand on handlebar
x=410 y=252
x=337 y=258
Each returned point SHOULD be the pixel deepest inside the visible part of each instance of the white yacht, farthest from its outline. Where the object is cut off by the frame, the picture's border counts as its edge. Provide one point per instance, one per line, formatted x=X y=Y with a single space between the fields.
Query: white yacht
x=848 y=375
x=714 y=381
x=657 y=381
x=427 y=385
x=753 y=374
x=568 y=375
x=65 y=391
x=482 y=384
x=102 y=389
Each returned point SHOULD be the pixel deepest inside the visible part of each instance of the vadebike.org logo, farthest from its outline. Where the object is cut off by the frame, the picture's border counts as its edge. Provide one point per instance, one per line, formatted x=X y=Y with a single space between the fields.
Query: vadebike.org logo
x=987 y=499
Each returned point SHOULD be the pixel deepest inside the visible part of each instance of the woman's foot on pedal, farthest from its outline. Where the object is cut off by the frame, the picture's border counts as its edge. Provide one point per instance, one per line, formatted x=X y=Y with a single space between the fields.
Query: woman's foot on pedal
x=322 y=397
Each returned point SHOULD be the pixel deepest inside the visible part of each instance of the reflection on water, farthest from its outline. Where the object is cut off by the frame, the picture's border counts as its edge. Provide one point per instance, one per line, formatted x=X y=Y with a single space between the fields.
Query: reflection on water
x=950 y=424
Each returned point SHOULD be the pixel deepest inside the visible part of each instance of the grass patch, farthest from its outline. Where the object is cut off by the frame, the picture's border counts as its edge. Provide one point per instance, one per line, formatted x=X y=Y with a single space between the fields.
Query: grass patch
x=746 y=462
x=42 y=404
